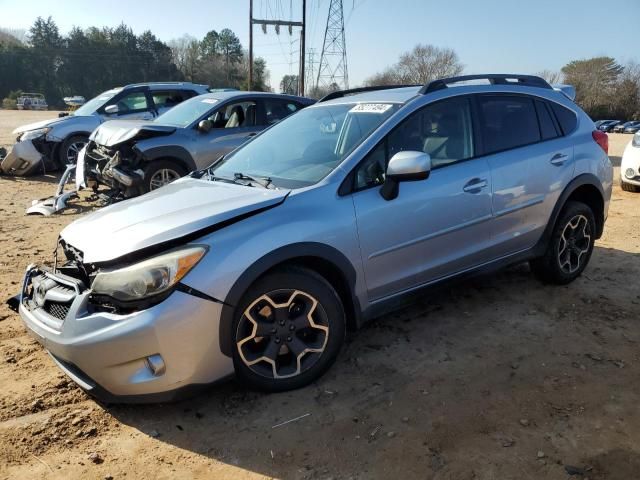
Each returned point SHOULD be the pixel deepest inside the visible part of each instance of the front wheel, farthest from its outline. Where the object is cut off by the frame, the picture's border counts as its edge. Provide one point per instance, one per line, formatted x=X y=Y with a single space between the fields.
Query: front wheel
x=71 y=147
x=570 y=246
x=159 y=173
x=288 y=330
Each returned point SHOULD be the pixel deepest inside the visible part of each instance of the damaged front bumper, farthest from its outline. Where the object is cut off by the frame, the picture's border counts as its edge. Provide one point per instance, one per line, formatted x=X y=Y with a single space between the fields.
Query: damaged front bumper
x=50 y=205
x=156 y=354
x=107 y=166
x=23 y=159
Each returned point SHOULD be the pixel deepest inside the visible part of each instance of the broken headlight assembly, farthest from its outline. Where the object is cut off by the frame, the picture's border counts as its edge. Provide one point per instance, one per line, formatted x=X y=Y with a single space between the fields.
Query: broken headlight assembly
x=143 y=282
x=33 y=134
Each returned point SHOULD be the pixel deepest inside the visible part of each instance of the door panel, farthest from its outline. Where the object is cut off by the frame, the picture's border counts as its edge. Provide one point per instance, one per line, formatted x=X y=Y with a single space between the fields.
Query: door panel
x=529 y=174
x=220 y=141
x=434 y=228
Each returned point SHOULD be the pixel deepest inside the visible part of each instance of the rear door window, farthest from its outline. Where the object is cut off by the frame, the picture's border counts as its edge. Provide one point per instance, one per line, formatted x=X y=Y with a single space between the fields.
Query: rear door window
x=276 y=109
x=547 y=125
x=170 y=98
x=566 y=118
x=508 y=121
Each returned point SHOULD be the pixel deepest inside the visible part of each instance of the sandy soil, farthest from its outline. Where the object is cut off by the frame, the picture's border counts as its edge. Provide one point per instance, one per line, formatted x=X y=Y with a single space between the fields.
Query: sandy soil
x=496 y=378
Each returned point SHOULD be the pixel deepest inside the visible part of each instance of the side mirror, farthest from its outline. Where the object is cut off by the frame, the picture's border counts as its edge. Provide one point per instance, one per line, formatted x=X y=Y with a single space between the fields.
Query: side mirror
x=205 y=126
x=407 y=166
x=111 y=109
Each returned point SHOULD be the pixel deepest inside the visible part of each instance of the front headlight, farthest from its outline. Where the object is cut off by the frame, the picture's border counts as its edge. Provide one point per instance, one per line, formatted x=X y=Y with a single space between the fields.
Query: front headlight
x=149 y=277
x=636 y=140
x=33 y=134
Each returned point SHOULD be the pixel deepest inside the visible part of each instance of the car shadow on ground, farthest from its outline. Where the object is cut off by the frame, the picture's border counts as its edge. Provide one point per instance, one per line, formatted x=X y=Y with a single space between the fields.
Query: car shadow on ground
x=437 y=386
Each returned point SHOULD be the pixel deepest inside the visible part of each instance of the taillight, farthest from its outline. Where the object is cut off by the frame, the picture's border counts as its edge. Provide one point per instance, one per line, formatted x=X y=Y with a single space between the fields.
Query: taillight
x=601 y=139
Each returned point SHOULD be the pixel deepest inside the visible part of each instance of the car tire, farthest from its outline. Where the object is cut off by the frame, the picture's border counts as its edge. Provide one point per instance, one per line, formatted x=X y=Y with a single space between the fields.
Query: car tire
x=69 y=149
x=570 y=247
x=629 y=187
x=158 y=173
x=288 y=330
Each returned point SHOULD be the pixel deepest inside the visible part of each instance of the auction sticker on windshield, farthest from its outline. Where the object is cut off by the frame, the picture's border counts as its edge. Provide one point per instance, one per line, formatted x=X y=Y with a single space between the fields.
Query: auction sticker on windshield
x=371 y=108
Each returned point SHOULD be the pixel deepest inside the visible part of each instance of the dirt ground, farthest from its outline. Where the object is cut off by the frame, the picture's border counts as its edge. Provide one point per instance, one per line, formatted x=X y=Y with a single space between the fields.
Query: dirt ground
x=499 y=377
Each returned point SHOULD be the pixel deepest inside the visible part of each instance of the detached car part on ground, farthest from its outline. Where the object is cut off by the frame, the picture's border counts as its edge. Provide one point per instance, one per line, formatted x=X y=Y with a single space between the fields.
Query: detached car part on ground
x=53 y=144
x=630 y=166
x=135 y=157
x=258 y=265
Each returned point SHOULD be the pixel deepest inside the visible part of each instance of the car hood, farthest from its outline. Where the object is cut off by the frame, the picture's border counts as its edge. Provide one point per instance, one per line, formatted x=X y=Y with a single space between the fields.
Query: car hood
x=42 y=124
x=174 y=211
x=115 y=132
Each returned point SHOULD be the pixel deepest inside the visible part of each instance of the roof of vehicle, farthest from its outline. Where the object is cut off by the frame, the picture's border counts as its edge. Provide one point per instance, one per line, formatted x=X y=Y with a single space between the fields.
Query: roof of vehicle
x=394 y=95
x=168 y=84
x=402 y=94
x=221 y=96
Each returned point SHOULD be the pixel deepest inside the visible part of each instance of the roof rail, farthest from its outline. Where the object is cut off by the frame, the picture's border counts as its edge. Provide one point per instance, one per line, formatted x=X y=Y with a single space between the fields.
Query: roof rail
x=494 y=79
x=351 y=91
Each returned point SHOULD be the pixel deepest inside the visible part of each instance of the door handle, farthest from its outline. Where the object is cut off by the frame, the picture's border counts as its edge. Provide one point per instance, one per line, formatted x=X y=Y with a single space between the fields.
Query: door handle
x=252 y=134
x=475 y=185
x=559 y=159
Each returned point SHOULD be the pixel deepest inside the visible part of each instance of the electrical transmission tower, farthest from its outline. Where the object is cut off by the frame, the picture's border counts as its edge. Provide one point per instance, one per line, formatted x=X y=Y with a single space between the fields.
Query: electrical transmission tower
x=310 y=69
x=333 y=60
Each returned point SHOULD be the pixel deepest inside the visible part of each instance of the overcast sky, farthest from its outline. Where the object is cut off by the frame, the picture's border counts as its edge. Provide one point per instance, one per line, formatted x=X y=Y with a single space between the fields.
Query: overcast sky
x=488 y=35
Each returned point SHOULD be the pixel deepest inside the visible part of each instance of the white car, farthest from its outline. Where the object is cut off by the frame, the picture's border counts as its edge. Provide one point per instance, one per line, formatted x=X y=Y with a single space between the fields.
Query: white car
x=630 y=166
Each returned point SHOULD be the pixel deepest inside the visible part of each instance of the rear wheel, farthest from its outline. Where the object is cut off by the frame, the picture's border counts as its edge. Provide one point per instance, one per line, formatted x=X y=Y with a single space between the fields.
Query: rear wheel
x=159 y=173
x=629 y=187
x=570 y=246
x=71 y=147
x=288 y=330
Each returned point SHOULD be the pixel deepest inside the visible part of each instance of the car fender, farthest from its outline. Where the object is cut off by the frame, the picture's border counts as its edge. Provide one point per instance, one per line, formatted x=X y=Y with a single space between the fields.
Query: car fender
x=169 y=151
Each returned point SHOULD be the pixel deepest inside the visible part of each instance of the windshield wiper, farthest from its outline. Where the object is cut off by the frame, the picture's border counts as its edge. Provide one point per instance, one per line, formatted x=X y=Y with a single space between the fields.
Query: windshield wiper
x=264 y=182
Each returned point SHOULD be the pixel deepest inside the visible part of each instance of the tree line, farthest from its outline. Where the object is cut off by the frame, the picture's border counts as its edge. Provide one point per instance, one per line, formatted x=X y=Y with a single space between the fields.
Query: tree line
x=604 y=88
x=88 y=61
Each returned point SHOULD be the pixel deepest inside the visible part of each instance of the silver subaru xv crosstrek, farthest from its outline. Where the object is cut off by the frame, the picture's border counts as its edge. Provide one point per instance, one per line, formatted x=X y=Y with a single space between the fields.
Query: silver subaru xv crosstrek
x=257 y=265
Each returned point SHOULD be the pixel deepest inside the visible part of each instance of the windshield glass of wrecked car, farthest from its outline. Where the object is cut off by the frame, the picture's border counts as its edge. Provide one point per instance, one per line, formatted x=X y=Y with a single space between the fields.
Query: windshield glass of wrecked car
x=305 y=147
x=96 y=102
x=187 y=112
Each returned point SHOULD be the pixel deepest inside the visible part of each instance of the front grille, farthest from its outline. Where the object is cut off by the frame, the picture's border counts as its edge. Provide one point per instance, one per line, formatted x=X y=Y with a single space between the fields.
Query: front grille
x=57 y=310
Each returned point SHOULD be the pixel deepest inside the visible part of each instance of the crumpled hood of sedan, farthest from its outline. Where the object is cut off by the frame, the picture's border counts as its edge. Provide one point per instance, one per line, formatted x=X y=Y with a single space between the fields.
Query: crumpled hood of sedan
x=171 y=212
x=114 y=132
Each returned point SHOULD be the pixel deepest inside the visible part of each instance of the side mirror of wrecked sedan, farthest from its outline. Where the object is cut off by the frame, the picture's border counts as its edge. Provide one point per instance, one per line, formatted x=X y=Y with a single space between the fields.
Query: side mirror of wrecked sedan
x=205 y=126
x=407 y=166
x=111 y=109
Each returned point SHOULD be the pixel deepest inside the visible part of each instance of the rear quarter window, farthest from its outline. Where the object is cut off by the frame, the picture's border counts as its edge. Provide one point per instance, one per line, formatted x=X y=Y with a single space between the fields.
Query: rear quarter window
x=566 y=118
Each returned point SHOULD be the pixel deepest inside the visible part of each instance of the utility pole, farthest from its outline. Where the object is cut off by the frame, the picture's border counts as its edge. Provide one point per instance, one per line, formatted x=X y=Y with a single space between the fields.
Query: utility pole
x=250 y=86
x=333 y=60
x=277 y=24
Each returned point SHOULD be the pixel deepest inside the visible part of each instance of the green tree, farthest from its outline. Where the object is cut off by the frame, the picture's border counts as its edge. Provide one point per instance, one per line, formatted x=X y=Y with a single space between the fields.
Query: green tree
x=595 y=81
x=289 y=84
x=231 y=49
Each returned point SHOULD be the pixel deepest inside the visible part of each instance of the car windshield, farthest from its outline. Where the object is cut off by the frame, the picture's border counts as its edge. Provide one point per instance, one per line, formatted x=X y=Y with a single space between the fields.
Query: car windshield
x=305 y=147
x=96 y=102
x=187 y=112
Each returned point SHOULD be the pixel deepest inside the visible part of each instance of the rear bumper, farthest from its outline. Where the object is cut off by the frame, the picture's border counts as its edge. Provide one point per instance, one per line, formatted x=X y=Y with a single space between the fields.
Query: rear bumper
x=109 y=354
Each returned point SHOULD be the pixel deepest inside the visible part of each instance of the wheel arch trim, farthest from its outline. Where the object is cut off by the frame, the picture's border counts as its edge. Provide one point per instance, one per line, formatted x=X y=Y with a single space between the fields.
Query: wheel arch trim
x=173 y=152
x=585 y=179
